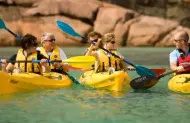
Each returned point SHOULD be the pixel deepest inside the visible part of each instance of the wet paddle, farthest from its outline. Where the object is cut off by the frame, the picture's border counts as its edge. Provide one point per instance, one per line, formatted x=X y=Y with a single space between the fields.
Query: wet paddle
x=3 y=26
x=158 y=71
x=141 y=70
x=76 y=62
x=146 y=82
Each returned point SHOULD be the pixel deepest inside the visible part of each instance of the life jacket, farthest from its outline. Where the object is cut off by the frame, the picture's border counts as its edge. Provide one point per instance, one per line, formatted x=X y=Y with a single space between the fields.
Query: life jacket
x=107 y=60
x=184 y=59
x=27 y=66
x=55 y=55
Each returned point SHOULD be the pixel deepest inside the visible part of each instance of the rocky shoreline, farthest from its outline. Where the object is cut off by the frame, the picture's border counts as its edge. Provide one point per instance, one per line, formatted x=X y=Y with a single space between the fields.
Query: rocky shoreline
x=130 y=27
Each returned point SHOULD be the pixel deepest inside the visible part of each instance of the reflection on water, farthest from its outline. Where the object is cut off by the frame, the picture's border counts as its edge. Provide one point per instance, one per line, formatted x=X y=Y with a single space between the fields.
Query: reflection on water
x=84 y=104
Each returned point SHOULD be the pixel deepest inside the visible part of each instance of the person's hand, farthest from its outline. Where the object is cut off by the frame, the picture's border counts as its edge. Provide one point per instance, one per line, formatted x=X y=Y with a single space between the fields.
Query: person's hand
x=57 y=65
x=180 y=69
x=131 y=68
x=122 y=57
x=43 y=62
x=4 y=62
x=16 y=70
x=92 y=46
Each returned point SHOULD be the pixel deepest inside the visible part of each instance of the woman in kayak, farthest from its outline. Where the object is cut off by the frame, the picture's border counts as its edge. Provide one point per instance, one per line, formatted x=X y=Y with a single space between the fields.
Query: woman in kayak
x=53 y=52
x=180 y=57
x=27 y=52
x=105 y=61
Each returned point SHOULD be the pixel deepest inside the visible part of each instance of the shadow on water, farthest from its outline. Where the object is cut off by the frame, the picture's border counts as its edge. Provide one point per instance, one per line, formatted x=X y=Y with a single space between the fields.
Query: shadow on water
x=142 y=91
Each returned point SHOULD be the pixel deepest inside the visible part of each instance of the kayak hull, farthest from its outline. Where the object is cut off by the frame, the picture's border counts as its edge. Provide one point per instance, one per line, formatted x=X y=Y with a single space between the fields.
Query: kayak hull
x=117 y=81
x=22 y=82
x=180 y=83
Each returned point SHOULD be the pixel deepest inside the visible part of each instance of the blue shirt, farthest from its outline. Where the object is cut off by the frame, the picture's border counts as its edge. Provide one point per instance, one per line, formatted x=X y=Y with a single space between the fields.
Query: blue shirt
x=175 y=54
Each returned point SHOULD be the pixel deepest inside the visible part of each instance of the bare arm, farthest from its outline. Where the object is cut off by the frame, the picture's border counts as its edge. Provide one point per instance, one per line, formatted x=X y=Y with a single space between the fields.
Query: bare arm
x=90 y=51
x=123 y=65
x=173 y=66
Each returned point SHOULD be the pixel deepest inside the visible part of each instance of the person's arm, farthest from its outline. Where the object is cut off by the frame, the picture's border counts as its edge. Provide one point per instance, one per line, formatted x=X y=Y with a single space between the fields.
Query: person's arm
x=123 y=65
x=173 y=62
x=10 y=66
x=45 y=67
x=90 y=51
x=65 y=66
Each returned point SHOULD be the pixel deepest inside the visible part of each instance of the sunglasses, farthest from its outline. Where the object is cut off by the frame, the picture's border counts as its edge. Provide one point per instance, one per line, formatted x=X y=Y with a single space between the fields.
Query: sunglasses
x=51 y=40
x=112 y=42
x=178 y=40
x=95 y=40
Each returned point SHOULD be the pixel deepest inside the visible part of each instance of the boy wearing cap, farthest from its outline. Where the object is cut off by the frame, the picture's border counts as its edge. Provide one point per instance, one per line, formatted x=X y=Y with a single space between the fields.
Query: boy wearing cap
x=53 y=52
x=180 y=57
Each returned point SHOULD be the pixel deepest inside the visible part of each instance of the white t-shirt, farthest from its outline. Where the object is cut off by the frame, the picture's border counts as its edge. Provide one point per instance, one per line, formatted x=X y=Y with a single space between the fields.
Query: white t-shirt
x=62 y=53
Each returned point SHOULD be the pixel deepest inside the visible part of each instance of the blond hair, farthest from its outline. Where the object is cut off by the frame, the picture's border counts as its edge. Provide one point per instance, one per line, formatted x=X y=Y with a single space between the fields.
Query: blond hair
x=108 y=37
x=47 y=36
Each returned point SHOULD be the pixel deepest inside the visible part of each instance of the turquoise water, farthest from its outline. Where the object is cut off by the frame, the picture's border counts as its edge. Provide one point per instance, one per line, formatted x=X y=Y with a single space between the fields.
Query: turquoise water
x=85 y=105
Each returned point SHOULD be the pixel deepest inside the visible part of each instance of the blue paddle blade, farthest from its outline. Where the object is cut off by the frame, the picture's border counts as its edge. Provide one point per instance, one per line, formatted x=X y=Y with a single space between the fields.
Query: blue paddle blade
x=2 y=24
x=143 y=71
x=67 y=29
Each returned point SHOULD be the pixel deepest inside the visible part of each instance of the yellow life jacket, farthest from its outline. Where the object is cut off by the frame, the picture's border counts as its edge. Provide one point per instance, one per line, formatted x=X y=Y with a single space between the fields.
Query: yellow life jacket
x=108 y=61
x=55 y=55
x=28 y=66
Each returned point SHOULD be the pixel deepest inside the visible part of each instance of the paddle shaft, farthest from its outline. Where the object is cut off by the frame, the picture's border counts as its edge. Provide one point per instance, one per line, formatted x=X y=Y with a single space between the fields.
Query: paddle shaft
x=174 y=71
x=113 y=54
x=142 y=71
x=163 y=75
x=18 y=37
x=33 y=61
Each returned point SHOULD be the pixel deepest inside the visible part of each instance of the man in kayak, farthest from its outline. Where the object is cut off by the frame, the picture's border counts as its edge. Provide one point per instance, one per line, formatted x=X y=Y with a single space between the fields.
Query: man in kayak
x=27 y=52
x=180 y=57
x=53 y=52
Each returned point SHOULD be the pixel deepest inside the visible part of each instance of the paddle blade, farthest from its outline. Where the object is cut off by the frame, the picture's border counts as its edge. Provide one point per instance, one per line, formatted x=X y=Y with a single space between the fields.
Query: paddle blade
x=144 y=82
x=143 y=71
x=2 y=24
x=81 y=61
x=67 y=29
x=158 y=71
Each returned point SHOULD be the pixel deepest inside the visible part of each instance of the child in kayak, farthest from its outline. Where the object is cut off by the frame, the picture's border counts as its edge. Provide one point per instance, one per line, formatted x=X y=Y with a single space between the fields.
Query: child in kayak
x=53 y=52
x=27 y=52
x=93 y=37
x=105 y=61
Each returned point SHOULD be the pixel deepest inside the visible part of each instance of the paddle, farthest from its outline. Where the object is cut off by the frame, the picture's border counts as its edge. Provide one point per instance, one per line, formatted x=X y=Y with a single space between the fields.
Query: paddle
x=3 y=26
x=146 y=82
x=77 y=61
x=158 y=71
x=141 y=70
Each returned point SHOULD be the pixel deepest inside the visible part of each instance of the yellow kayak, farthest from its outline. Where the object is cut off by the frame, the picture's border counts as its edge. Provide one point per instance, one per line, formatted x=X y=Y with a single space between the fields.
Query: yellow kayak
x=22 y=82
x=180 y=83
x=117 y=81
